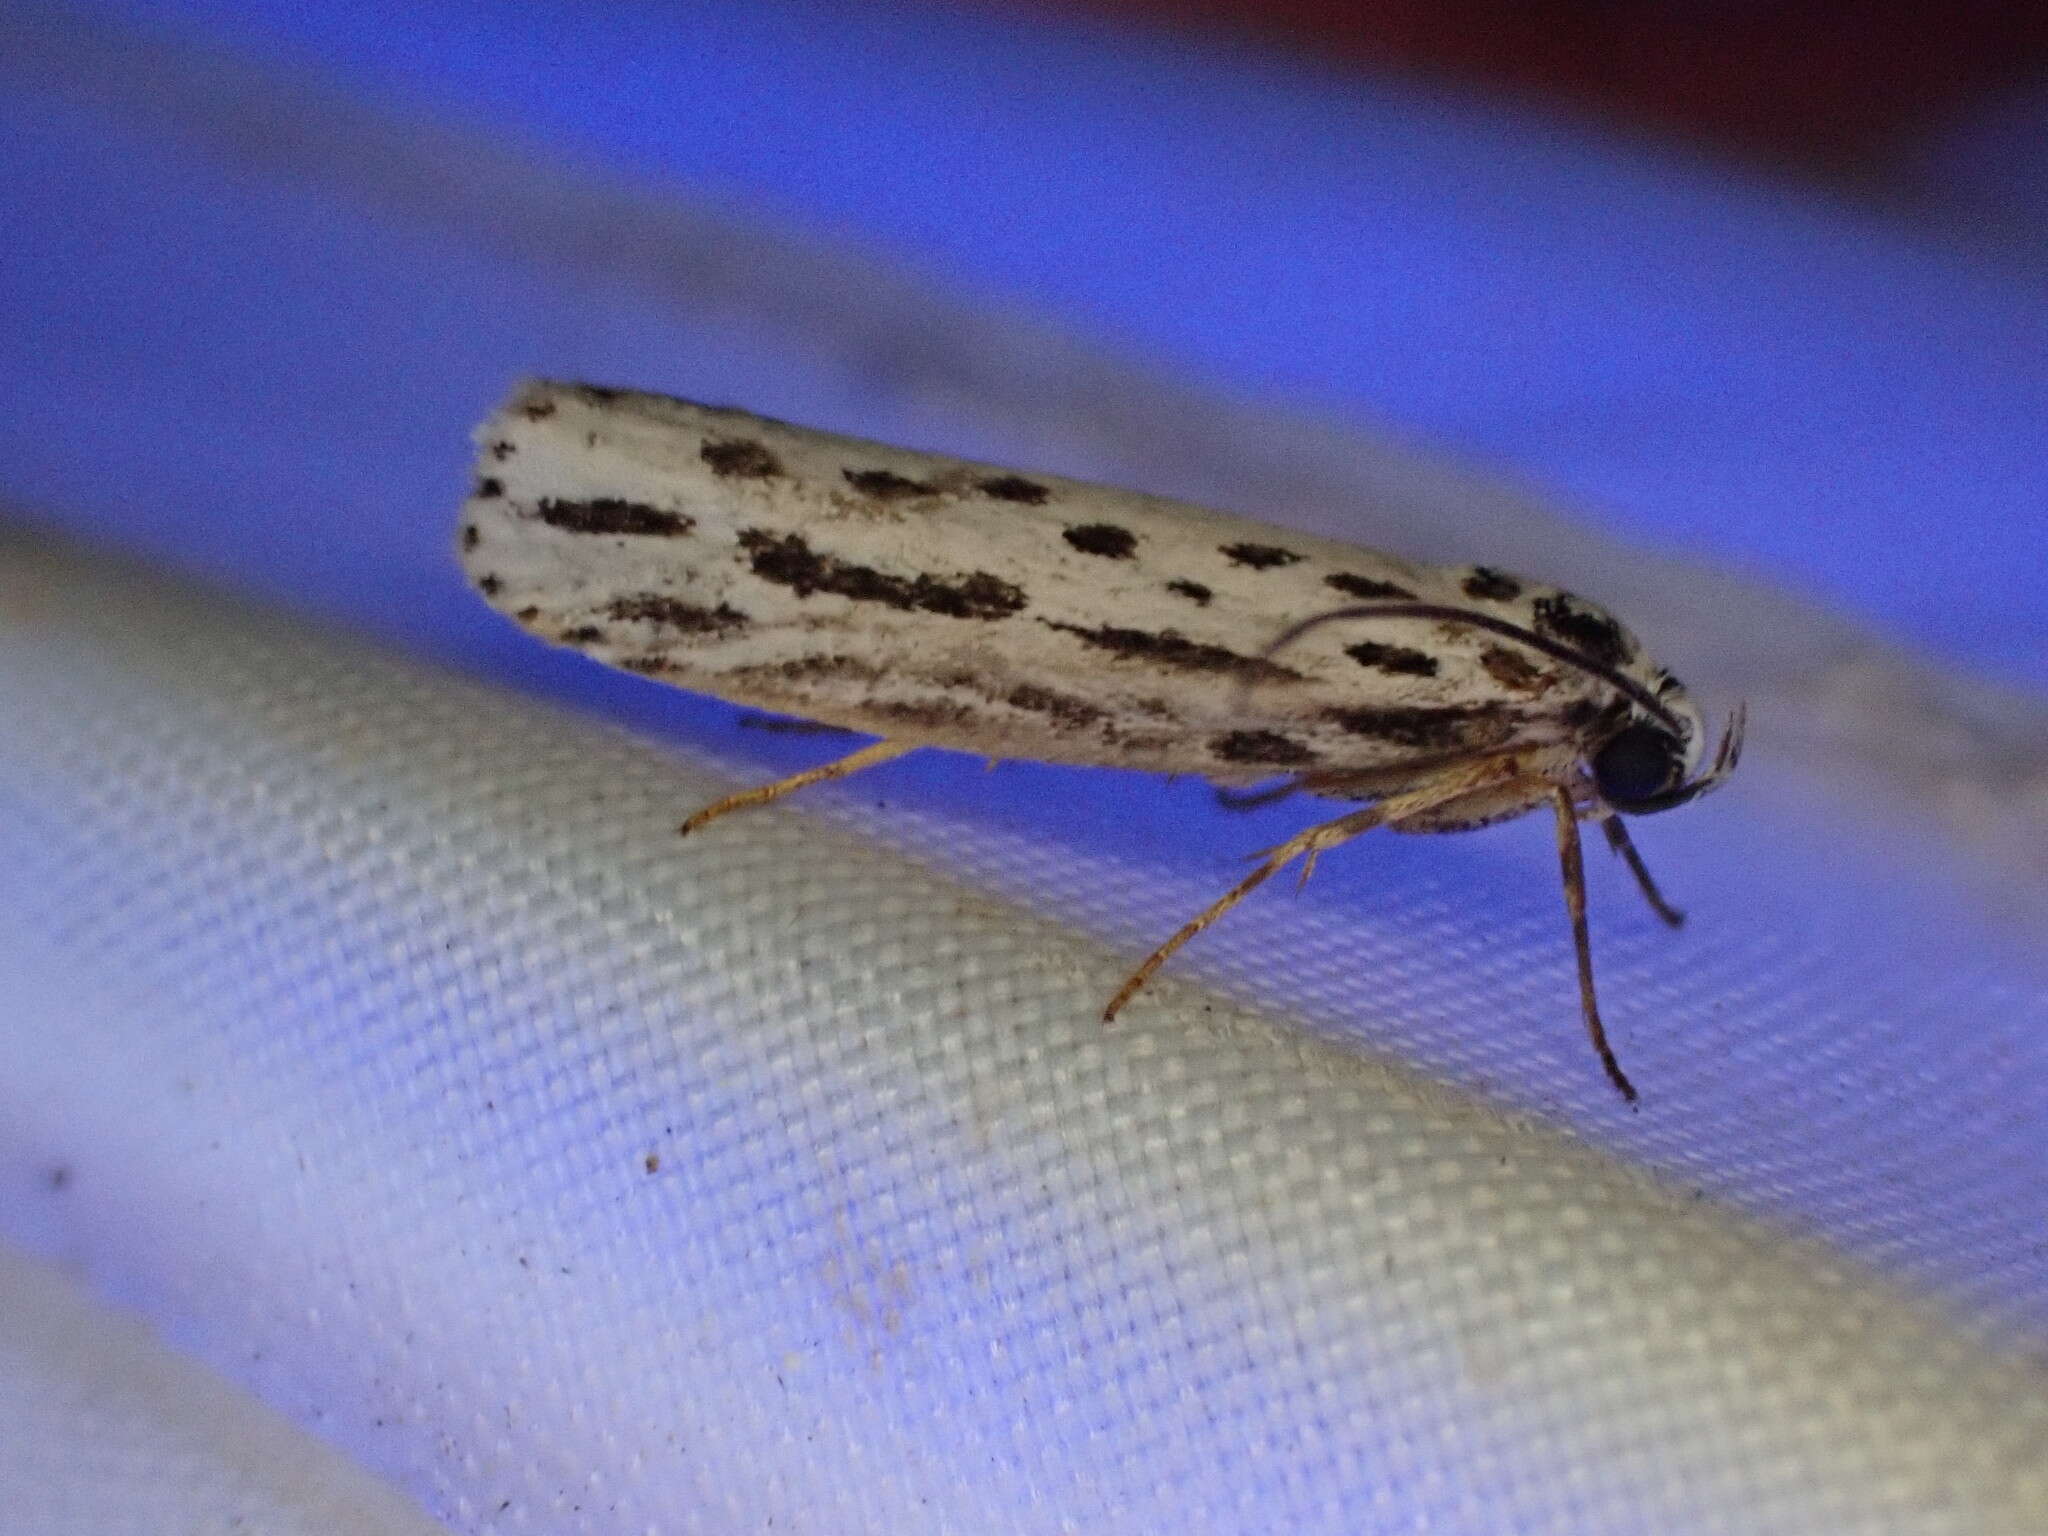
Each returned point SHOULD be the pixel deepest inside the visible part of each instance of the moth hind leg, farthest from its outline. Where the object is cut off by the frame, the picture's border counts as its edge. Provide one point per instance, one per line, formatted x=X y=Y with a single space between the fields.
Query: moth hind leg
x=764 y=794
x=1311 y=842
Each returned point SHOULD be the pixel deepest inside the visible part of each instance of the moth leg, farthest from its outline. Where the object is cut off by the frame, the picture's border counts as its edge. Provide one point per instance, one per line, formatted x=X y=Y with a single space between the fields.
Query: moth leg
x=1311 y=842
x=1618 y=840
x=762 y=794
x=1574 y=866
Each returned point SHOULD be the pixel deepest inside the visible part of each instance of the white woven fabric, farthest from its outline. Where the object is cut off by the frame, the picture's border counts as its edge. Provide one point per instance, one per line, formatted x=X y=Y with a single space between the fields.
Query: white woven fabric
x=104 y=1431
x=581 y=1180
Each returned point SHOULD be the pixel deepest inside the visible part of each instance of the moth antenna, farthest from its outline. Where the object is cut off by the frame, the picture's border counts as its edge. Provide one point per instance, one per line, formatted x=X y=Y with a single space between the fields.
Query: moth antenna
x=1634 y=691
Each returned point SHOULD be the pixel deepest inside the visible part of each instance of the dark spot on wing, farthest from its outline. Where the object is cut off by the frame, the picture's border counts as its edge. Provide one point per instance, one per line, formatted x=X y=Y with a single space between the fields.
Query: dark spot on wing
x=739 y=458
x=924 y=714
x=1060 y=707
x=489 y=488
x=674 y=613
x=805 y=669
x=647 y=666
x=1584 y=628
x=1666 y=683
x=886 y=484
x=1014 y=488
x=1462 y=725
x=788 y=561
x=470 y=536
x=1264 y=747
x=539 y=410
x=1491 y=585
x=1511 y=669
x=1397 y=659
x=608 y=514
x=1194 y=591
x=1260 y=557
x=527 y=615
x=598 y=394
x=490 y=586
x=1105 y=539
x=1364 y=586
x=1170 y=648
x=582 y=634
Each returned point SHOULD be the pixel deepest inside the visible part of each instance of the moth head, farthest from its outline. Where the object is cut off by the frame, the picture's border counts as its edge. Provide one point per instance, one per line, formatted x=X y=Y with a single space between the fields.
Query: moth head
x=1652 y=763
x=1648 y=762
x=1640 y=767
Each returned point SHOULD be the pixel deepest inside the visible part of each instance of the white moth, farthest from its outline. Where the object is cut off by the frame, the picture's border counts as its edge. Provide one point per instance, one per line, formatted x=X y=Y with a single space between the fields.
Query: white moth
x=937 y=603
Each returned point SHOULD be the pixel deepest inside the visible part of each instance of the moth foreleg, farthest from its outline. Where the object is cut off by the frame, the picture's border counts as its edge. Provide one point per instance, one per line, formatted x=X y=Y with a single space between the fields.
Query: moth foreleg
x=1574 y=867
x=762 y=794
x=1618 y=839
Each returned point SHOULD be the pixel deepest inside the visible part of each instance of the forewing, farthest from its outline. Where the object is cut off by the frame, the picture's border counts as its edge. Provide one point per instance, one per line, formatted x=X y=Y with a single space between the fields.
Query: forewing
x=977 y=608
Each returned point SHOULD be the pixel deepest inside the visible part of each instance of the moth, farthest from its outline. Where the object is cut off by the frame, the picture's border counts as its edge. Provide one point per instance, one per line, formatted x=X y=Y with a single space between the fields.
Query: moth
x=932 y=602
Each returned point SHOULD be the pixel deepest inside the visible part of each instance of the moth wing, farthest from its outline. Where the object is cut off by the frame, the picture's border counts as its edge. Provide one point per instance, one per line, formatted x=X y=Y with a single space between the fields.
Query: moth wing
x=973 y=607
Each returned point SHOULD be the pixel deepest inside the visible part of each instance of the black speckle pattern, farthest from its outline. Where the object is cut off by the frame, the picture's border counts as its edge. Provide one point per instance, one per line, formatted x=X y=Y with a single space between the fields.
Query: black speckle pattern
x=1060 y=707
x=1489 y=585
x=489 y=488
x=1399 y=660
x=674 y=613
x=1511 y=669
x=1444 y=728
x=1260 y=557
x=1014 y=488
x=1364 y=586
x=608 y=514
x=1193 y=591
x=788 y=561
x=739 y=458
x=885 y=484
x=1266 y=748
x=1170 y=648
x=1104 y=539
x=1584 y=628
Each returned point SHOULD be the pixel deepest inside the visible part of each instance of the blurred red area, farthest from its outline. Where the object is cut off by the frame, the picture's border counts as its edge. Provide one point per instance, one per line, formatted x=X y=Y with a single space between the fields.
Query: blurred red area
x=1828 y=84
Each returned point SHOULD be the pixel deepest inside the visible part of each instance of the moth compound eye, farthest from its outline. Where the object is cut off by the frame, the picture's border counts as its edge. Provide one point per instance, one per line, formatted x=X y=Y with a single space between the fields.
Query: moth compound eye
x=1638 y=768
